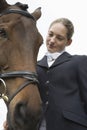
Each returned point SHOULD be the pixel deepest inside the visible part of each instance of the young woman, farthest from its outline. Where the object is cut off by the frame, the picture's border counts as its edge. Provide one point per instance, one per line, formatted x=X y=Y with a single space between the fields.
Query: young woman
x=63 y=81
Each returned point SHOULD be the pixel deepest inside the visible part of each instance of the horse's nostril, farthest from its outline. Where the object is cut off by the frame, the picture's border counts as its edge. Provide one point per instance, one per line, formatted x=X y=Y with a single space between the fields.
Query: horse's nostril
x=20 y=113
x=24 y=116
x=3 y=33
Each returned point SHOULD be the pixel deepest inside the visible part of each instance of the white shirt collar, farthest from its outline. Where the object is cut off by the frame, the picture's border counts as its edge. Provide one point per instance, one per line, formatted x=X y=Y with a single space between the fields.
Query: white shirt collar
x=51 y=57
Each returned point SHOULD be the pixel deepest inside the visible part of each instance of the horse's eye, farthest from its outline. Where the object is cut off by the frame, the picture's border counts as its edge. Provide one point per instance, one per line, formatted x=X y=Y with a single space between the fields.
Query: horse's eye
x=3 y=33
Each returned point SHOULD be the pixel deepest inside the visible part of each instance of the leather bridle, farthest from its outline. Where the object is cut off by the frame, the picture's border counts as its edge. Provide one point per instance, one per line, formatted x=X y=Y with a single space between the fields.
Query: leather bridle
x=30 y=76
x=17 y=11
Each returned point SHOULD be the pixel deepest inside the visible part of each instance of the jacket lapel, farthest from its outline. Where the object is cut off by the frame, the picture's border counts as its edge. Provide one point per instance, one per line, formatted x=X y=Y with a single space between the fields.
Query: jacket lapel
x=60 y=60
x=43 y=62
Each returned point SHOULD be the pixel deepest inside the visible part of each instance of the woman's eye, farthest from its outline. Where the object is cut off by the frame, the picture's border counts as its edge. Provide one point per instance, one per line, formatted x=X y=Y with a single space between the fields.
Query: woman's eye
x=60 y=38
x=50 y=35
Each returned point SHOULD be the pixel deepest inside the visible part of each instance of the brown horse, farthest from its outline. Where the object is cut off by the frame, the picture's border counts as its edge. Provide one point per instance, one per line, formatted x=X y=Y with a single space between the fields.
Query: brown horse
x=19 y=45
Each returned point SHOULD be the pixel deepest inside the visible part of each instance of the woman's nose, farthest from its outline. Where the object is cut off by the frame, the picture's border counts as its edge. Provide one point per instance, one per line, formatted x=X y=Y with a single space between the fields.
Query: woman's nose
x=52 y=39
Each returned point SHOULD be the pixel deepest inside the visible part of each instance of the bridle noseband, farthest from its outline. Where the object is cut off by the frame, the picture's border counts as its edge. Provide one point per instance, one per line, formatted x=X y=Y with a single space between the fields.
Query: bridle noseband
x=30 y=76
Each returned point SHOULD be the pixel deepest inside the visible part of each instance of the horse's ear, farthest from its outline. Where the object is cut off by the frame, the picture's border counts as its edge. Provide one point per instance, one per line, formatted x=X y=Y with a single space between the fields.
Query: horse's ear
x=3 y=5
x=37 y=13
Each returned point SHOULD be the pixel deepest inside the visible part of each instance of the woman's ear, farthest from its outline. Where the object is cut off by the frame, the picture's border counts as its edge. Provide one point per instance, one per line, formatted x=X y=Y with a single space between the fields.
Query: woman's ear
x=69 y=42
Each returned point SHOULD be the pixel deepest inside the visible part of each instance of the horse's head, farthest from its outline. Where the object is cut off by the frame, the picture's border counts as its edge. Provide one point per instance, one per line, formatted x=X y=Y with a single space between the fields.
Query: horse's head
x=19 y=45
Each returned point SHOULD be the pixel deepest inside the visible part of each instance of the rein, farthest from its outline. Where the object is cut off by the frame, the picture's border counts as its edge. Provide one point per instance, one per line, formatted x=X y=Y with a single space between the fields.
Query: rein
x=30 y=76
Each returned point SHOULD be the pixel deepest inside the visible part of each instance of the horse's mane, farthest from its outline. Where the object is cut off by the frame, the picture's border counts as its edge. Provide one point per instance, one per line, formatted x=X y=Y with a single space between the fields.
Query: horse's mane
x=22 y=6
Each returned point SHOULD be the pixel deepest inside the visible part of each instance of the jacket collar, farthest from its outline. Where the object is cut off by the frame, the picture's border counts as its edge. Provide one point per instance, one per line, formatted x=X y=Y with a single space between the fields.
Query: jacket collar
x=61 y=59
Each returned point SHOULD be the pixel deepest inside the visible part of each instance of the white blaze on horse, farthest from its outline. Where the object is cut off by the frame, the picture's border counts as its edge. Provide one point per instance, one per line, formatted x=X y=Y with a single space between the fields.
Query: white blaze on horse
x=19 y=45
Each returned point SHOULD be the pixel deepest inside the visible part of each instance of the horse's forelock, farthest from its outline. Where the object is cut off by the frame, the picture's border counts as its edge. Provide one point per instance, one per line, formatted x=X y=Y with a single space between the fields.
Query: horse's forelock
x=22 y=6
x=3 y=5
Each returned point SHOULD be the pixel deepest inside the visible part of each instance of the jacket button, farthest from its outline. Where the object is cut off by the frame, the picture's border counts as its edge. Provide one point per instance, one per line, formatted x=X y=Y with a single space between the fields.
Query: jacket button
x=48 y=71
x=46 y=103
x=47 y=92
x=47 y=82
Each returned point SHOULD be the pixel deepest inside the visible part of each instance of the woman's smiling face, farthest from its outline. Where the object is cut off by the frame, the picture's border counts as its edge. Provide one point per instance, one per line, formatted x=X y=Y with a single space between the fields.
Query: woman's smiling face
x=56 y=39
